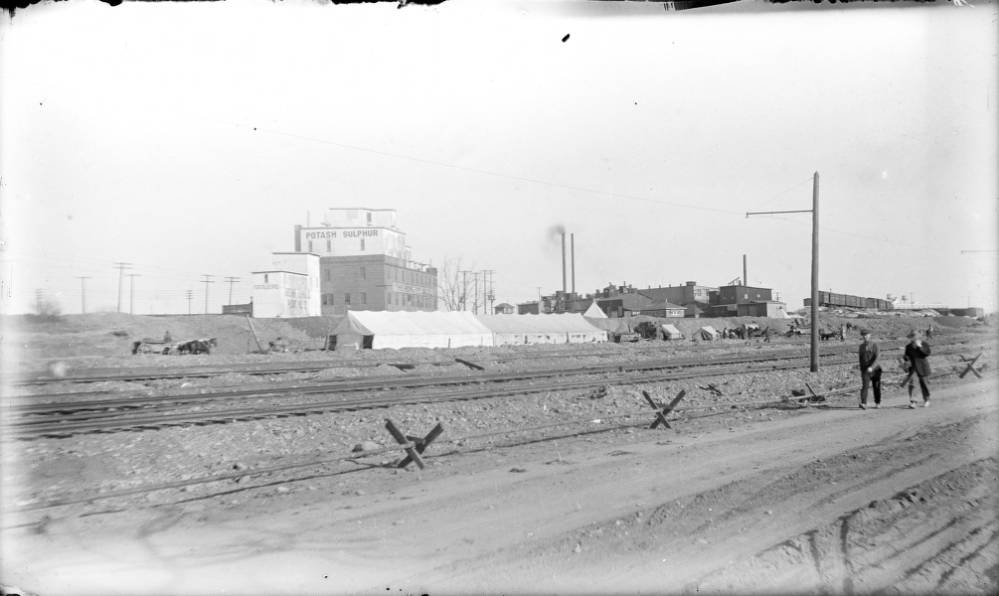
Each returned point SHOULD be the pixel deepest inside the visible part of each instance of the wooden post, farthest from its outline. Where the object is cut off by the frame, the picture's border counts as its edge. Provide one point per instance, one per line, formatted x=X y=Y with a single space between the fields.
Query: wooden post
x=254 y=332
x=814 y=360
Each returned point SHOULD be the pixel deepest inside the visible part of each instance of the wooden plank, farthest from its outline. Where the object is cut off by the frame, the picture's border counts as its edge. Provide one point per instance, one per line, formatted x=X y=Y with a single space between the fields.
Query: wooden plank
x=422 y=444
x=400 y=438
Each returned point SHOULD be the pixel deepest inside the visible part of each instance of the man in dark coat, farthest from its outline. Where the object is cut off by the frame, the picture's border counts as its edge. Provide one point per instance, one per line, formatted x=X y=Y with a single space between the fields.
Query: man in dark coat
x=916 y=352
x=870 y=370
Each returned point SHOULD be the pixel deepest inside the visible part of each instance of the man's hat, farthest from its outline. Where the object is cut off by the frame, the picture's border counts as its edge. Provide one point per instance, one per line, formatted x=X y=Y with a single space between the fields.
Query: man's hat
x=865 y=331
x=912 y=333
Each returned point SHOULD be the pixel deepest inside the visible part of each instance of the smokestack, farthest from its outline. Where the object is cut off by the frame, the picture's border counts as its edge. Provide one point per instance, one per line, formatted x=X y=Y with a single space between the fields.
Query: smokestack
x=563 y=261
x=745 y=278
x=572 y=254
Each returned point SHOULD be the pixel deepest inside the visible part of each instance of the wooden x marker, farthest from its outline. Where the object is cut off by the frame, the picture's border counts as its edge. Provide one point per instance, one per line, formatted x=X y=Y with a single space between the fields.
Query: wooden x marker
x=661 y=414
x=413 y=446
x=970 y=366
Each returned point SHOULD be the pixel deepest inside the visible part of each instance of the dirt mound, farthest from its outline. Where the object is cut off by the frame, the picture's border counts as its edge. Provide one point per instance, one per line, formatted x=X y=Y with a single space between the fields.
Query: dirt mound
x=112 y=334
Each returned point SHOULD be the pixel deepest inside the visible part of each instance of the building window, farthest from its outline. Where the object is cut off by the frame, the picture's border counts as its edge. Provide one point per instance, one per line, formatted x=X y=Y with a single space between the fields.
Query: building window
x=310 y=246
x=364 y=273
x=266 y=278
x=329 y=245
x=369 y=218
x=327 y=273
x=362 y=244
x=346 y=298
x=364 y=297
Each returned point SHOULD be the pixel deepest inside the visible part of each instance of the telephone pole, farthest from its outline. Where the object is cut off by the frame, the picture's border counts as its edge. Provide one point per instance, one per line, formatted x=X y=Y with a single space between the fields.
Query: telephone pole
x=83 y=292
x=207 y=280
x=189 y=294
x=814 y=359
x=131 y=292
x=121 y=275
x=475 y=303
x=464 y=289
x=489 y=295
x=231 y=281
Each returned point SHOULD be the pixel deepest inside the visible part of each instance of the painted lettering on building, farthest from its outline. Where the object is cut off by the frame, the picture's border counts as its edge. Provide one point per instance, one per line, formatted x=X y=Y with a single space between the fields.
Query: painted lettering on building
x=332 y=234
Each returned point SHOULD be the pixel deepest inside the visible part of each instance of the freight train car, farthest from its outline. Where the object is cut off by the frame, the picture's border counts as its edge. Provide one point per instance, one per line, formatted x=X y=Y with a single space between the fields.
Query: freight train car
x=836 y=300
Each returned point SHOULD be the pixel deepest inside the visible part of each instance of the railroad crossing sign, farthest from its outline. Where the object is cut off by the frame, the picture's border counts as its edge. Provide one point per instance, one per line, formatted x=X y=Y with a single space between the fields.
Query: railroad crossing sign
x=661 y=410
x=971 y=366
x=413 y=446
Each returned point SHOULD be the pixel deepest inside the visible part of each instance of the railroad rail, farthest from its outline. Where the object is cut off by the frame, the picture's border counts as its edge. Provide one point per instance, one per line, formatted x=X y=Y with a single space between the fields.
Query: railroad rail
x=67 y=418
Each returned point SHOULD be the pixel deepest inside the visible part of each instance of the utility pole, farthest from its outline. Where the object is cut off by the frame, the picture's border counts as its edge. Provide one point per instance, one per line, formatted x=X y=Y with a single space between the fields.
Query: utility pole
x=464 y=289
x=231 y=281
x=131 y=292
x=38 y=300
x=83 y=292
x=539 y=299
x=490 y=295
x=207 y=280
x=814 y=360
x=475 y=303
x=121 y=271
x=189 y=294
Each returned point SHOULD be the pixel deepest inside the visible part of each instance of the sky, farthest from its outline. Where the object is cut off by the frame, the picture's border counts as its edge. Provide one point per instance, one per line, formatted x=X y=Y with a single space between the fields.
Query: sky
x=189 y=139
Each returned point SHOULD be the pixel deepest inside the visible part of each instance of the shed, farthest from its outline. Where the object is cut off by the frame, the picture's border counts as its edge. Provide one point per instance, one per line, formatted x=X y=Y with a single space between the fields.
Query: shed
x=384 y=329
x=542 y=329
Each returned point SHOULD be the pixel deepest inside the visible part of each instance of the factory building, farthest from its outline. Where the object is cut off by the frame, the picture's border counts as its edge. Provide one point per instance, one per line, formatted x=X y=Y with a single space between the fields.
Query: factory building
x=289 y=288
x=365 y=263
x=726 y=302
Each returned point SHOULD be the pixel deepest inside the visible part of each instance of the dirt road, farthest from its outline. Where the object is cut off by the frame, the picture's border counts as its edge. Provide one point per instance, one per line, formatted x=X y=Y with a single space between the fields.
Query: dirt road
x=838 y=500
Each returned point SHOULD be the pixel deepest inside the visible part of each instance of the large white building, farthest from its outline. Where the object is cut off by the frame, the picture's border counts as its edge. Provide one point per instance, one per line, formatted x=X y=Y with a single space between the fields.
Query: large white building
x=354 y=232
x=290 y=288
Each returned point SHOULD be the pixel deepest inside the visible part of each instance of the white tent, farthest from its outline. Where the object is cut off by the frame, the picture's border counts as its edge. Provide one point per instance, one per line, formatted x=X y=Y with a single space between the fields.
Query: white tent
x=542 y=329
x=708 y=332
x=594 y=312
x=671 y=332
x=384 y=329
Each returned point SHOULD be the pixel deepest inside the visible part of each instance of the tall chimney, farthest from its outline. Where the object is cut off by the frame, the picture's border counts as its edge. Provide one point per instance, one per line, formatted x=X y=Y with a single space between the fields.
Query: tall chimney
x=563 y=261
x=745 y=278
x=572 y=253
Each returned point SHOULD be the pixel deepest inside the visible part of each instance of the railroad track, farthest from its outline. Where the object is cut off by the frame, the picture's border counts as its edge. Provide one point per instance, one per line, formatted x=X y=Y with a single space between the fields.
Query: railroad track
x=68 y=418
x=135 y=374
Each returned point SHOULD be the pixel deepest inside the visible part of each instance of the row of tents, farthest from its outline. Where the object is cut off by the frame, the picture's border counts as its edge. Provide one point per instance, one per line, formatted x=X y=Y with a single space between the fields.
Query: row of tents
x=385 y=329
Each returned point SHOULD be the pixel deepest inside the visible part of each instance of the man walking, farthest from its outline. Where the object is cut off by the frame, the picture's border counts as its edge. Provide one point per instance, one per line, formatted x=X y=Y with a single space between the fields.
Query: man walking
x=916 y=352
x=870 y=370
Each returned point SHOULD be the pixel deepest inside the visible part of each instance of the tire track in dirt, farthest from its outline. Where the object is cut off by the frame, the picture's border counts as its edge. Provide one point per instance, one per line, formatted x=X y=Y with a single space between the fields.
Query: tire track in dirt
x=672 y=545
x=938 y=536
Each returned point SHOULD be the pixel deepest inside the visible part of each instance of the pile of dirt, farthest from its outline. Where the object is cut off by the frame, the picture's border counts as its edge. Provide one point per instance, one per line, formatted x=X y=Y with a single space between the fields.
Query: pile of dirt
x=28 y=338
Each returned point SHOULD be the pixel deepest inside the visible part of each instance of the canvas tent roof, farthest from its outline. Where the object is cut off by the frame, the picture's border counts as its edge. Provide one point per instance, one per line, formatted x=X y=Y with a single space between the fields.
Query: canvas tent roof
x=708 y=332
x=611 y=325
x=412 y=329
x=671 y=331
x=556 y=328
x=594 y=312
